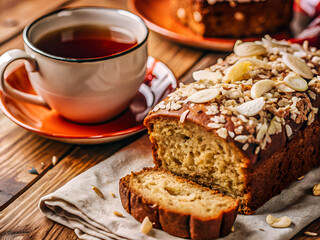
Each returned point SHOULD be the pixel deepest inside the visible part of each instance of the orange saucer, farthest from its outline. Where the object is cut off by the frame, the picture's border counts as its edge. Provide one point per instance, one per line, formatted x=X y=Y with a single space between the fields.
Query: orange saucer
x=159 y=82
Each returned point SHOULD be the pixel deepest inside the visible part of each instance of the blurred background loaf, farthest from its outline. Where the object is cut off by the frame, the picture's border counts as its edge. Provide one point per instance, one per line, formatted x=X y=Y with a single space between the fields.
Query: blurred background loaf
x=233 y=18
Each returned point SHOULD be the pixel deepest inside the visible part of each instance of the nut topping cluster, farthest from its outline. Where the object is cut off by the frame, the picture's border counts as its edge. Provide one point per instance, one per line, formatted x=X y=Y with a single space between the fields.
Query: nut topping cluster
x=264 y=88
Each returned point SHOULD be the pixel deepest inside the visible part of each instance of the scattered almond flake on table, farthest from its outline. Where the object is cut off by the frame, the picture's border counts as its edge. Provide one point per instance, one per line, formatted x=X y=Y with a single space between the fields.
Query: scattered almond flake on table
x=43 y=165
x=316 y=190
x=54 y=160
x=281 y=222
x=97 y=191
x=300 y=178
x=146 y=225
x=311 y=234
x=118 y=214
x=112 y=194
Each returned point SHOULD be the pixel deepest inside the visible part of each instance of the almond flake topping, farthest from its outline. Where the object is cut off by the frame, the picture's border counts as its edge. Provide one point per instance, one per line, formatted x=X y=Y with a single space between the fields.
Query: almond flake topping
x=236 y=72
x=288 y=130
x=282 y=87
x=207 y=75
x=248 y=49
x=297 y=65
x=261 y=87
x=204 y=96
x=252 y=107
x=257 y=63
x=296 y=82
x=260 y=90
x=184 y=115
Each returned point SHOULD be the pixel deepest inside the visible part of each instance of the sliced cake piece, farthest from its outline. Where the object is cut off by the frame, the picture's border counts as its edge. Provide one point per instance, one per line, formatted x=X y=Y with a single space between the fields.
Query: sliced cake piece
x=177 y=205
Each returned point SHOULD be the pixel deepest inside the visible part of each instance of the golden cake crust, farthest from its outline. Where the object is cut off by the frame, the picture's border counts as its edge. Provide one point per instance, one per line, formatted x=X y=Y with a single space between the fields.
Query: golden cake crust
x=176 y=222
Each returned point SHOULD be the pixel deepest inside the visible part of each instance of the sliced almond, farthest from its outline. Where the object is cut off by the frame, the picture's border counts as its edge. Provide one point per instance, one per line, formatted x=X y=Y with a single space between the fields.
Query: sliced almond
x=295 y=82
x=316 y=190
x=282 y=87
x=311 y=234
x=207 y=75
x=248 y=49
x=288 y=130
x=297 y=65
x=184 y=115
x=236 y=72
x=281 y=222
x=274 y=127
x=261 y=87
x=118 y=214
x=251 y=108
x=257 y=62
x=146 y=225
x=204 y=96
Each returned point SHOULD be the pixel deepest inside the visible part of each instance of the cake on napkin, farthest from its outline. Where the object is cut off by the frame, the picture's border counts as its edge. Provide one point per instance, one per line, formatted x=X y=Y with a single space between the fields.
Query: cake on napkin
x=176 y=205
x=248 y=126
x=233 y=18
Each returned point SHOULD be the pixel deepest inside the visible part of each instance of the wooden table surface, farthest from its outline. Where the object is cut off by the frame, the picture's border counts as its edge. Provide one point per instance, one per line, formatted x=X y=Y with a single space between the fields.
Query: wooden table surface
x=20 y=191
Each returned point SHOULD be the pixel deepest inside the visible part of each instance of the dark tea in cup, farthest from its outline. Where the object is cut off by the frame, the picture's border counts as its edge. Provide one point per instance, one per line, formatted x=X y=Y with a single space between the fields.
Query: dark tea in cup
x=86 y=63
x=86 y=41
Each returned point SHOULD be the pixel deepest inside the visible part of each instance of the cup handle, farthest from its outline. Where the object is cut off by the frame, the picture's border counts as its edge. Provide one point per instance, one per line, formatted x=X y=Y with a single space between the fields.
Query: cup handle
x=9 y=57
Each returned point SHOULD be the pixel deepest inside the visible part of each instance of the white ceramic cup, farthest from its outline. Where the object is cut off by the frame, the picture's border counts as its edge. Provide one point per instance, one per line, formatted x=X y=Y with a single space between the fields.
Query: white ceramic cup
x=82 y=90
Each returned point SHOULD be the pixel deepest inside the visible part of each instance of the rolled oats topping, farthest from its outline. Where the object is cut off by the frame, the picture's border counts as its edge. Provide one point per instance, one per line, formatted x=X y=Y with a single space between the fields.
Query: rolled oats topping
x=265 y=88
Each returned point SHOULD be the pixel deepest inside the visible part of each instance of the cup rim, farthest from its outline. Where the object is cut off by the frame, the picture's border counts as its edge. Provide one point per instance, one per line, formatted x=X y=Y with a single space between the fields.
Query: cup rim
x=39 y=51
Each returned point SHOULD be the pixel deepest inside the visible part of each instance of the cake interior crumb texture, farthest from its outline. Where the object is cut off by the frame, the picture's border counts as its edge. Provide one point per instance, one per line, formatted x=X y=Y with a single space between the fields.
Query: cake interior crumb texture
x=179 y=195
x=189 y=150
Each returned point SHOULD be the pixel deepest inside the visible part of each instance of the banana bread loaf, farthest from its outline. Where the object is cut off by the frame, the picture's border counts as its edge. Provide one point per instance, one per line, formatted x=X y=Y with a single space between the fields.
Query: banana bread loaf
x=233 y=18
x=176 y=205
x=249 y=125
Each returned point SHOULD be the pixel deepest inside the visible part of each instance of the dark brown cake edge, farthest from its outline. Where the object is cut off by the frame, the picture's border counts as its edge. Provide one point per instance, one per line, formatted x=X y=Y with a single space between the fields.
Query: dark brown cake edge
x=175 y=223
x=269 y=177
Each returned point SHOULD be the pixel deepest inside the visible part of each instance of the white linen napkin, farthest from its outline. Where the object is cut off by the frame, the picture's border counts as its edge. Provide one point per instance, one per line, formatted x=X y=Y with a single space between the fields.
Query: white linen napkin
x=77 y=206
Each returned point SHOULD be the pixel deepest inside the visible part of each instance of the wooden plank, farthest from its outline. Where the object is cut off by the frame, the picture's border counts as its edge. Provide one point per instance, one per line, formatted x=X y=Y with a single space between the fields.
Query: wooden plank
x=23 y=216
x=19 y=151
x=313 y=227
x=13 y=18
